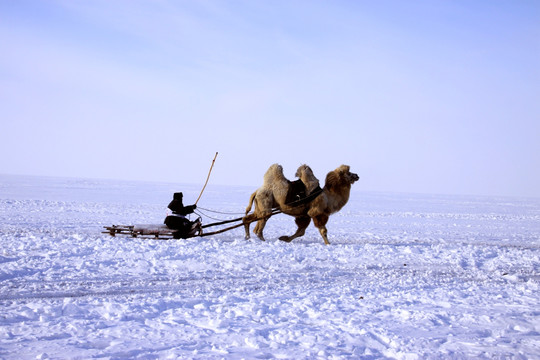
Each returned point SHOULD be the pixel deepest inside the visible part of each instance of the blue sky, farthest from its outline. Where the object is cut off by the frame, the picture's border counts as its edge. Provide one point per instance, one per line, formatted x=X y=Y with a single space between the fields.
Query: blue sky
x=417 y=96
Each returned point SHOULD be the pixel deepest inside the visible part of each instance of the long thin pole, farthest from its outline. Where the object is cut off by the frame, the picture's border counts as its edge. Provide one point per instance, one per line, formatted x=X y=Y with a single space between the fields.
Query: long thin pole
x=207 y=178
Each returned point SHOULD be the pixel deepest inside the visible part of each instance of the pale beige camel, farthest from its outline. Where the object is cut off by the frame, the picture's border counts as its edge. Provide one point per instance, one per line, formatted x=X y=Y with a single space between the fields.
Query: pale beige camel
x=333 y=197
x=276 y=192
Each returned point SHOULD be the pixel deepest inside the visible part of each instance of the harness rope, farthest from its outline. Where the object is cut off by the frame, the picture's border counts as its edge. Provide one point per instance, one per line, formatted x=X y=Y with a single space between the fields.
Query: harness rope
x=201 y=234
x=220 y=212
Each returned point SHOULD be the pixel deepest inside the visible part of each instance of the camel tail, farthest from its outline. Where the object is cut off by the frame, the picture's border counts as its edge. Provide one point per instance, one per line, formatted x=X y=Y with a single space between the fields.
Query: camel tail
x=250 y=205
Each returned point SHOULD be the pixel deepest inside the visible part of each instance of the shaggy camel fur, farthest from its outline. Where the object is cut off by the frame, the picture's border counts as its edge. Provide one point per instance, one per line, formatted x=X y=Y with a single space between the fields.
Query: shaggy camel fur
x=333 y=197
x=273 y=194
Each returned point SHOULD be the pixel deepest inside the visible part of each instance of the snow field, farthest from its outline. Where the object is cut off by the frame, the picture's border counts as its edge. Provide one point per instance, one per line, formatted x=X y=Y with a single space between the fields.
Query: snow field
x=406 y=277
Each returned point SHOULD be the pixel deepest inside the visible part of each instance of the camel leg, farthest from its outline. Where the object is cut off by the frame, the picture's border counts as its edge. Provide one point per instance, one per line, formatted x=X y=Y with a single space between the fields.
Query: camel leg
x=260 y=227
x=247 y=220
x=324 y=234
x=263 y=209
x=320 y=222
x=302 y=223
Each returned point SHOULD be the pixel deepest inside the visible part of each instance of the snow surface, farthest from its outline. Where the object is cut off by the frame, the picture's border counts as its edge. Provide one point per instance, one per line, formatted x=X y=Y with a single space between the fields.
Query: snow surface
x=406 y=277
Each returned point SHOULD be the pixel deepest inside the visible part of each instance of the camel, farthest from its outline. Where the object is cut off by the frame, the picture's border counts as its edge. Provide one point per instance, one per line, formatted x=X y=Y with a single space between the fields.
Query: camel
x=333 y=197
x=278 y=192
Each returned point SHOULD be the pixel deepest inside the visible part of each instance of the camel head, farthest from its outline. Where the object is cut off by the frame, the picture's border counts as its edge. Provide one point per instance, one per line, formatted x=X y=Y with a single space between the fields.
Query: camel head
x=340 y=177
x=351 y=177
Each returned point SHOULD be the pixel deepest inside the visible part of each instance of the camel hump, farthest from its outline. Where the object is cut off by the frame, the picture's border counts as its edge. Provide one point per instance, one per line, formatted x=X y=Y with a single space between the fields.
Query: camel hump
x=296 y=192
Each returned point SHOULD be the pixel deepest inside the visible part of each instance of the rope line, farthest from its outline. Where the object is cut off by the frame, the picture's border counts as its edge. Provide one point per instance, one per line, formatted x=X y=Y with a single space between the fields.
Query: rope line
x=221 y=212
x=200 y=213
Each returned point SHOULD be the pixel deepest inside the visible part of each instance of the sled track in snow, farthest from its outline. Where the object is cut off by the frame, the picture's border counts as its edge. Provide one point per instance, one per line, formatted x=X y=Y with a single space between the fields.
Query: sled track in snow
x=359 y=277
x=59 y=289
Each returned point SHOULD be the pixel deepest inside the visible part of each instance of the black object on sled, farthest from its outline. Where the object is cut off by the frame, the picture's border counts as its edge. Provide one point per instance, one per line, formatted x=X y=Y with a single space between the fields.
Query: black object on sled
x=183 y=228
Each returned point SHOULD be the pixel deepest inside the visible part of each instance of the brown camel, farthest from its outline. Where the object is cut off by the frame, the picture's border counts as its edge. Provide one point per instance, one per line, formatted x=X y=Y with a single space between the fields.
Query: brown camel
x=333 y=197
